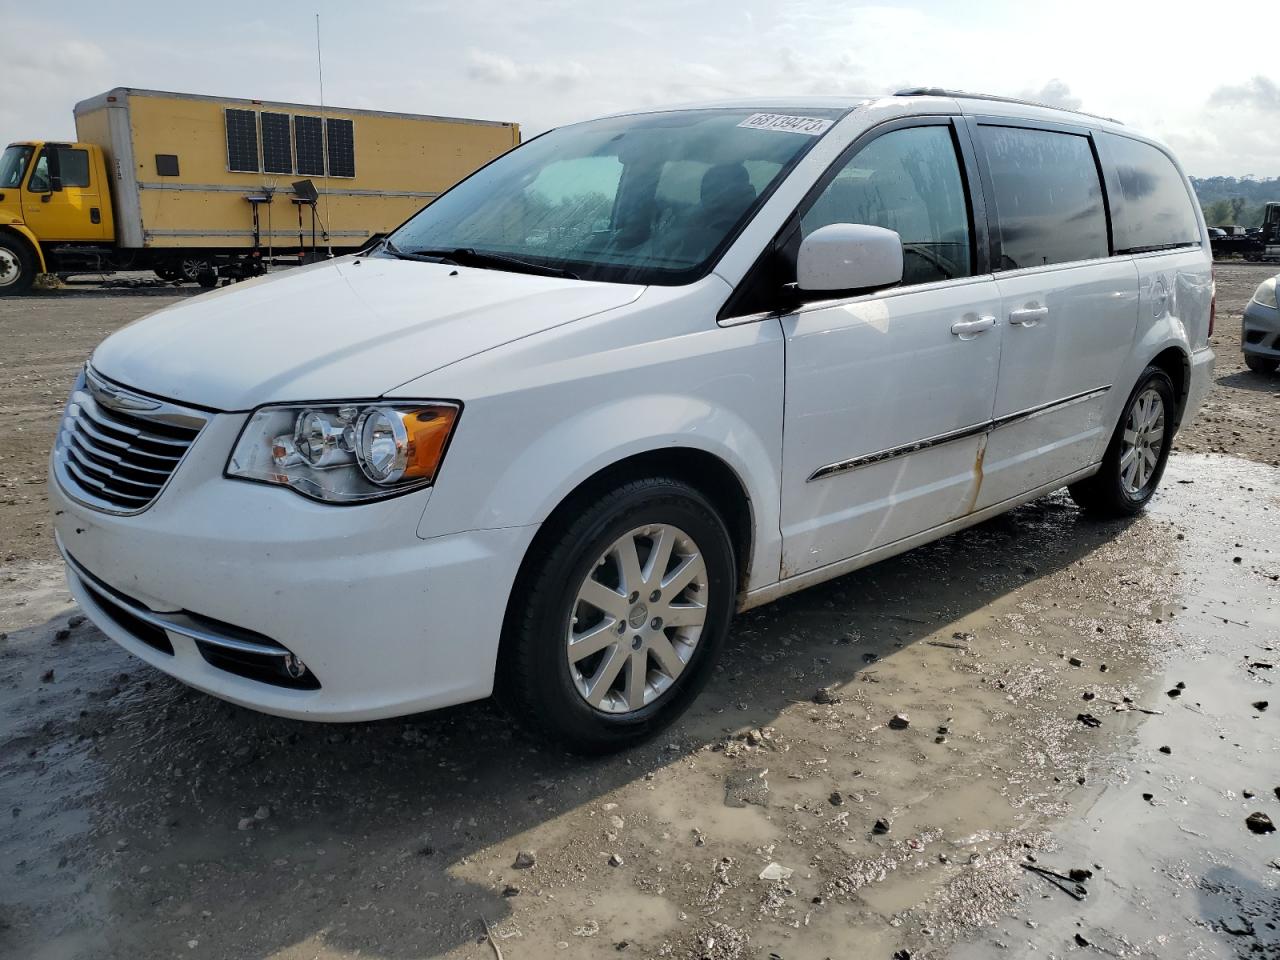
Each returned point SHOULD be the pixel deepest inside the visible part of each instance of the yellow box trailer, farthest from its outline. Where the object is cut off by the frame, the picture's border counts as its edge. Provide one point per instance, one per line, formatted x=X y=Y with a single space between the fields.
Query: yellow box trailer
x=192 y=185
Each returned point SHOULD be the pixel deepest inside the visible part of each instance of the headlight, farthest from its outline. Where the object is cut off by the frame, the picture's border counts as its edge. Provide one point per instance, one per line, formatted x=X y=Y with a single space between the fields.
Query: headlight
x=345 y=453
x=1266 y=293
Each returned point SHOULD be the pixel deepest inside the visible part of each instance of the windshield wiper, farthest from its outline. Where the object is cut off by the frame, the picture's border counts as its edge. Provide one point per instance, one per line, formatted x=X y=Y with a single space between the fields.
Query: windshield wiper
x=418 y=256
x=480 y=258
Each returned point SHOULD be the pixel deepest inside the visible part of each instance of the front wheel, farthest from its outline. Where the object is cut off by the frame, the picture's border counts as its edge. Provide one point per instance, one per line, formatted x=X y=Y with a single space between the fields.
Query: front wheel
x=619 y=615
x=17 y=267
x=1139 y=449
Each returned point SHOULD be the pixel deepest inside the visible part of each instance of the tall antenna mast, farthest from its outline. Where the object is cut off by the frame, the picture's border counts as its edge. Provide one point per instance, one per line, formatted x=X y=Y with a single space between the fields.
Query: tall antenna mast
x=324 y=140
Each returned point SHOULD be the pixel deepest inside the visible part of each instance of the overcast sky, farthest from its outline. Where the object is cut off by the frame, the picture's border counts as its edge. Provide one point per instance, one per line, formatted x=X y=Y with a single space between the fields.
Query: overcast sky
x=1155 y=65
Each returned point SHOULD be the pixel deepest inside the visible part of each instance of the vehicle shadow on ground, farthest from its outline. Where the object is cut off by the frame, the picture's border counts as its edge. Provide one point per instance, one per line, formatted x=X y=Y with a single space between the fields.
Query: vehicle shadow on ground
x=1248 y=380
x=1241 y=911
x=367 y=824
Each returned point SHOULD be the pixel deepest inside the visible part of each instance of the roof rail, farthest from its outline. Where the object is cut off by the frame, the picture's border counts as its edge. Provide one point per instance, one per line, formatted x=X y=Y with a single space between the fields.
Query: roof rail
x=940 y=92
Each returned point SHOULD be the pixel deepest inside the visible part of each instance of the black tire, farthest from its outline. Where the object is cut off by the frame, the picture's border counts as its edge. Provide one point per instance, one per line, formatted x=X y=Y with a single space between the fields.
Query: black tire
x=1106 y=494
x=535 y=683
x=168 y=273
x=1262 y=365
x=17 y=266
x=190 y=268
x=207 y=278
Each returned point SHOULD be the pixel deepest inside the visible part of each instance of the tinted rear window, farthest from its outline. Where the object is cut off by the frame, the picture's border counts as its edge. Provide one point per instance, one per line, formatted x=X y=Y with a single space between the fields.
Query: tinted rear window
x=1154 y=208
x=1047 y=195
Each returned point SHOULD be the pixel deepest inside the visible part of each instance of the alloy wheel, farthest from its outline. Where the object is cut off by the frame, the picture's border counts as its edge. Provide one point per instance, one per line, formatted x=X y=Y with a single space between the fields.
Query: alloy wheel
x=190 y=268
x=1142 y=441
x=636 y=618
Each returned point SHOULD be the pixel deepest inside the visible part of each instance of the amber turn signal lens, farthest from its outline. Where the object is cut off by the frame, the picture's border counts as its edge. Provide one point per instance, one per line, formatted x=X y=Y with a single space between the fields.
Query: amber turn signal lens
x=428 y=431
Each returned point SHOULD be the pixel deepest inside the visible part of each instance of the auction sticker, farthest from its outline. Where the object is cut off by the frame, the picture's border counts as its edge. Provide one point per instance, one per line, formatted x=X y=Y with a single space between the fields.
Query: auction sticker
x=783 y=123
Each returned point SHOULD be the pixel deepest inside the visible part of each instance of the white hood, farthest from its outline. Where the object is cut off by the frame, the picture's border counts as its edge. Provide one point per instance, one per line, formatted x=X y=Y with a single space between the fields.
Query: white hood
x=342 y=329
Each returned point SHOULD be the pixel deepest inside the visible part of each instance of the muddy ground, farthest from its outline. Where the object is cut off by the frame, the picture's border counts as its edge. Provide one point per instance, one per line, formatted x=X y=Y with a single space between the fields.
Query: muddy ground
x=1035 y=658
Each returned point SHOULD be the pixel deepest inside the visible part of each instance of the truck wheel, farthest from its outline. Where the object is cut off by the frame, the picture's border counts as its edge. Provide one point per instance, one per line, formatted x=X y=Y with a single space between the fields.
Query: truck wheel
x=17 y=267
x=1135 y=459
x=618 y=616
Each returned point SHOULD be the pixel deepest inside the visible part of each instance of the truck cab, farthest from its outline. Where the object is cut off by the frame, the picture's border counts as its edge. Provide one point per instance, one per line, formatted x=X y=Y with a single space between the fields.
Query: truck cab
x=50 y=193
x=1270 y=233
x=58 y=190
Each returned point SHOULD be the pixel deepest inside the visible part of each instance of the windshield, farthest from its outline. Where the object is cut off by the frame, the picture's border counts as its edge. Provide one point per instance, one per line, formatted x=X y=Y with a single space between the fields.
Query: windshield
x=13 y=164
x=650 y=198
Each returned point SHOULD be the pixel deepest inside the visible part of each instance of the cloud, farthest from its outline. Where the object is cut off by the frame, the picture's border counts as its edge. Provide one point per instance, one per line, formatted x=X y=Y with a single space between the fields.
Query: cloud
x=487 y=66
x=1235 y=131
x=490 y=67
x=51 y=77
x=1257 y=93
x=1055 y=93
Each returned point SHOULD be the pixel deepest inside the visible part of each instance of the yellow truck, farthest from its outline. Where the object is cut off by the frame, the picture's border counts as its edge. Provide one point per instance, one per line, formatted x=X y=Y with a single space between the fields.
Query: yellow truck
x=194 y=187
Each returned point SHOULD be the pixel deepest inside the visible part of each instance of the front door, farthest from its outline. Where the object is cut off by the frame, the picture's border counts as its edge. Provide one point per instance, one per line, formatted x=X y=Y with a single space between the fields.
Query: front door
x=1070 y=309
x=72 y=213
x=889 y=395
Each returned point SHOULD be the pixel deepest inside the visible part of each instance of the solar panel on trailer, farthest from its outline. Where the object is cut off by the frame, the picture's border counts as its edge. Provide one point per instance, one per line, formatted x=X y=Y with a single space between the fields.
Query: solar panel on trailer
x=342 y=147
x=308 y=144
x=242 y=141
x=277 y=157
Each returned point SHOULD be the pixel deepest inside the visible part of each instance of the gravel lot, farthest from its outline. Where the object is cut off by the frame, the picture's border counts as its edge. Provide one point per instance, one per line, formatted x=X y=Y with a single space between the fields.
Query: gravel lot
x=1035 y=659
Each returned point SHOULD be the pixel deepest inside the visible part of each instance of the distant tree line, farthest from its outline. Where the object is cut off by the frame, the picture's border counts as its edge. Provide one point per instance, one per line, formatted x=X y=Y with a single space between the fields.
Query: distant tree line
x=1235 y=200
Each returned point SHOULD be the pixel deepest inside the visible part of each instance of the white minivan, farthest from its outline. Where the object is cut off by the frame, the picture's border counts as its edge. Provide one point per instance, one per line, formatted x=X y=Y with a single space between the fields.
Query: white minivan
x=631 y=377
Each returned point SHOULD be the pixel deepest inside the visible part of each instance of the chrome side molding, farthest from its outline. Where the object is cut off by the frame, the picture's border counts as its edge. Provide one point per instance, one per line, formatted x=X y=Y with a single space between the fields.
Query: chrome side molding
x=866 y=460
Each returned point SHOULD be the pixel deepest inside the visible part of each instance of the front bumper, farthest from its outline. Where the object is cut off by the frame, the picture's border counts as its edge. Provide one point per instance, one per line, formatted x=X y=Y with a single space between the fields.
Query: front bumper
x=386 y=623
x=1260 y=335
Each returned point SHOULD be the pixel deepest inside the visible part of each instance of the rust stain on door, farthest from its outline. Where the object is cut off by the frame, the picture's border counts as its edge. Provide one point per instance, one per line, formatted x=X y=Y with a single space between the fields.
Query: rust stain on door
x=977 y=474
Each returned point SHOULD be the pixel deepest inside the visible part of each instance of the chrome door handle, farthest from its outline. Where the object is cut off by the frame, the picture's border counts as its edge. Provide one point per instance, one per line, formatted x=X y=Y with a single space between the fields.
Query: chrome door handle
x=1028 y=316
x=968 y=329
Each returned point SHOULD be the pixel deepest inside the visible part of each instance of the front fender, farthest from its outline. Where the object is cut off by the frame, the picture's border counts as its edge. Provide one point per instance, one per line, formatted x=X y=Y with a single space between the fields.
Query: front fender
x=545 y=414
x=26 y=234
x=544 y=473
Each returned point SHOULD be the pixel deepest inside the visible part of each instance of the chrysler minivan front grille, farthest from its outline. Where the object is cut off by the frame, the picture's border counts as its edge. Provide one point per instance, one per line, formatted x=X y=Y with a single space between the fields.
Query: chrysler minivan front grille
x=116 y=449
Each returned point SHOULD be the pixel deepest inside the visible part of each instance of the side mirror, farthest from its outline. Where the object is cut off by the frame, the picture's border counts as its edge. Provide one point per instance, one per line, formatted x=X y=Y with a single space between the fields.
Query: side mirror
x=849 y=256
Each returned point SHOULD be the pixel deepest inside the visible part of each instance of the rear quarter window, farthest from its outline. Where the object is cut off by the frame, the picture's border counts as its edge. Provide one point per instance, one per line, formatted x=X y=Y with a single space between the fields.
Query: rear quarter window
x=1048 y=196
x=1154 y=208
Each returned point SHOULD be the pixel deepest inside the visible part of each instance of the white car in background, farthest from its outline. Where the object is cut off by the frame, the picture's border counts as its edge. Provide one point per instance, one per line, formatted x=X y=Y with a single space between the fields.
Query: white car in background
x=634 y=375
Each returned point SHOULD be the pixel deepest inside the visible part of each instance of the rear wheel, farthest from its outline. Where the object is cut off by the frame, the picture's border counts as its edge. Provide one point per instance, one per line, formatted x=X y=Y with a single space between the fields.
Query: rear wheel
x=17 y=267
x=1263 y=365
x=1139 y=449
x=619 y=616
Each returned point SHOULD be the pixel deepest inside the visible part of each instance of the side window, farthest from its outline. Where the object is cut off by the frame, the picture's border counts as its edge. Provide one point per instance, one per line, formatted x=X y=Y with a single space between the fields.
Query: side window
x=73 y=165
x=39 y=182
x=73 y=168
x=1154 y=208
x=908 y=181
x=1048 y=198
